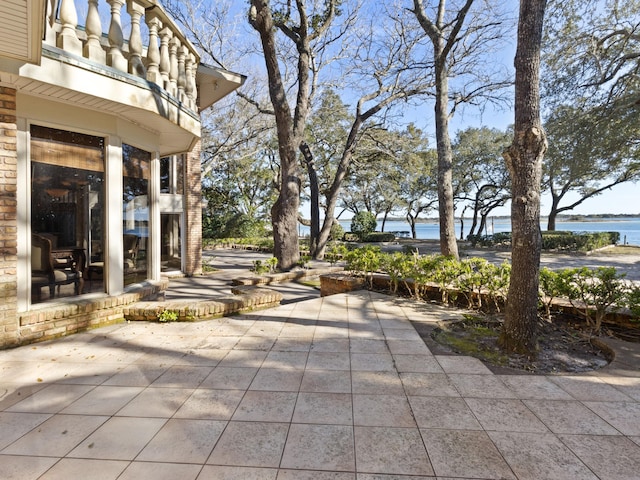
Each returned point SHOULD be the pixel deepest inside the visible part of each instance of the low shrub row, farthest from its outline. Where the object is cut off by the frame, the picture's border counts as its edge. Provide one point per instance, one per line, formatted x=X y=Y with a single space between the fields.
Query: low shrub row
x=554 y=240
x=593 y=292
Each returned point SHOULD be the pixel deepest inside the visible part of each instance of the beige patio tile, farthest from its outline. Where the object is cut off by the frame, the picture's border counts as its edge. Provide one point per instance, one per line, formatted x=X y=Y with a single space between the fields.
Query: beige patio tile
x=443 y=412
x=51 y=399
x=465 y=454
x=182 y=376
x=590 y=389
x=324 y=408
x=314 y=475
x=417 y=364
x=254 y=343
x=230 y=378
x=376 y=383
x=259 y=406
x=221 y=343
x=79 y=467
x=533 y=456
x=286 y=360
x=56 y=437
x=428 y=384
x=379 y=476
x=628 y=385
x=101 y=400
x=136 y=375
x=569 y=417
x=461 y=364
x=614 y=458
x=250 y=444
x=207 y=404
x=364 y=345
x=336 y=381
x=202 y=357
x=329 y=361
x=16 y=467
x=405 y=334
x=156 y=402
x=319 y=447
x=624 y=416
x=291 y=345
x=330 y=345
x=408 y=347
x=219 y=472
x=391 y=450
x=184 y=441
x=372 y=362
x=160 y=471
x=119 y=438
x=15 y=425
x=276 y=379
x=480 y=386
x=12 y=393
x=505 y=415
x=382 y=411
x=534 y=387
x=244 y=359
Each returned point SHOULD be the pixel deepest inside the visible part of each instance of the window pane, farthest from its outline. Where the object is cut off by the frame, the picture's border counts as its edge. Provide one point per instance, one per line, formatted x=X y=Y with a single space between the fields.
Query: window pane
x=136 y=167
x=67 y=193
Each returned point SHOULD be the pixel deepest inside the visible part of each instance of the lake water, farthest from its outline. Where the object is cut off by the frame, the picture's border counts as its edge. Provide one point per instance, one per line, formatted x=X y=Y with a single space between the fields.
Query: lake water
x=628 y=227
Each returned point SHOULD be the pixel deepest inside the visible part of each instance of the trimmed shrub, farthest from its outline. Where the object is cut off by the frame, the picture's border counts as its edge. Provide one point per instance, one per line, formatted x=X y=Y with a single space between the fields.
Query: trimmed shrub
x=379 y=237
x=363 y=223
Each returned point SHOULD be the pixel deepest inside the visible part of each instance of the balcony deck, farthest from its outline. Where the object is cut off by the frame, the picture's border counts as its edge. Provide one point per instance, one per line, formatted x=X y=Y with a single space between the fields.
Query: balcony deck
x=153 y=78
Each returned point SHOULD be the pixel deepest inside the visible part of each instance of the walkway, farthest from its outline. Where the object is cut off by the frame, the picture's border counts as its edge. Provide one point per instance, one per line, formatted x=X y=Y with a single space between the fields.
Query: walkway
x=338 y=388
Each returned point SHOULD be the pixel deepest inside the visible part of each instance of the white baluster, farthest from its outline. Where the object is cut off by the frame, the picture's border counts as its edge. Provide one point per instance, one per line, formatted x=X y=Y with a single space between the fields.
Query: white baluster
x=136 y=67
x=68 y=38
x=182 y=74
x=165 y=57
x=92 y=49
x=173 y=70
x=190 y=86
x=153 y=51
x=115 y=58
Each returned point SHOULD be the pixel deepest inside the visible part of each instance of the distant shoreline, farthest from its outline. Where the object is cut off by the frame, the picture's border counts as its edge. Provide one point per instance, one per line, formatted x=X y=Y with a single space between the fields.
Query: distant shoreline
x=559 y=218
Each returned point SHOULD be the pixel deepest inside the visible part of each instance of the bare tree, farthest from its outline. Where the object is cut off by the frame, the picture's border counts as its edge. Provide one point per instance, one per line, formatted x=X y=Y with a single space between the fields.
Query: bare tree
x=524 y=160
x=460 y=37
x=301 y=27
x=384 y=73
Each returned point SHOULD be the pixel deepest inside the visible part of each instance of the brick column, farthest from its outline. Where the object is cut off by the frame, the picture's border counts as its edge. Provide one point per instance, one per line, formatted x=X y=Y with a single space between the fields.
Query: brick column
x=8 y=218
x=193 y=212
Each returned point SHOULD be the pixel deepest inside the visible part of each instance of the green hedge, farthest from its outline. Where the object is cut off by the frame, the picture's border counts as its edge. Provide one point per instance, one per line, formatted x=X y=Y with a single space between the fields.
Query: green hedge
x=555 y=240
x=379 y=237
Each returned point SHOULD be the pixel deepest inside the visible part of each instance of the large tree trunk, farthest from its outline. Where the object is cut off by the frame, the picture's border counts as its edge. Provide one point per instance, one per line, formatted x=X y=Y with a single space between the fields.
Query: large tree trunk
x=524 y=160
x=284 y=213
x=448 y=243
x=314 y=200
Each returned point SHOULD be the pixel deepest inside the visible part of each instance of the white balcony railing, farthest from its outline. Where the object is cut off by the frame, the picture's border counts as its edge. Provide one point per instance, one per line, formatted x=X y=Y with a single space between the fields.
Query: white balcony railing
x=164 y=57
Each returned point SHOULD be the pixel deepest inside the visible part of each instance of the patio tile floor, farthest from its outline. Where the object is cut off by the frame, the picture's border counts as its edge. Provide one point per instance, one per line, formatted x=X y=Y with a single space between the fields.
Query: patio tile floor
x=334 y=388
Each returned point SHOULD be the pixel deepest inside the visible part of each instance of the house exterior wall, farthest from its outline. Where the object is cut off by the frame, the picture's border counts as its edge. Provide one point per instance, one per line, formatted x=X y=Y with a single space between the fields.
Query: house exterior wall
x=8 y=218
x=193 y=213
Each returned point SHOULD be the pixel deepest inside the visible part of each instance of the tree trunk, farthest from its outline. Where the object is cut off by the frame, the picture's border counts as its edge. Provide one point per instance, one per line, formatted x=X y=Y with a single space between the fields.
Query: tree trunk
x=524 y=160
x=314 y=200
x=411 y=220
x=284 y=212
x=553 y=214
x=448 y=243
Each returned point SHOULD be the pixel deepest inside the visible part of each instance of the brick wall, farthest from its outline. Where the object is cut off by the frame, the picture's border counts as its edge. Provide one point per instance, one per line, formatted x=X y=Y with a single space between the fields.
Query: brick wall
x=8 y=218
x=193 y=213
